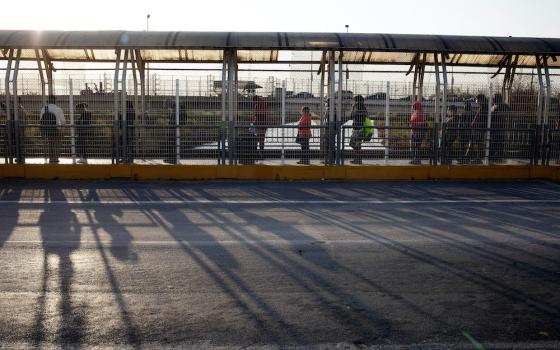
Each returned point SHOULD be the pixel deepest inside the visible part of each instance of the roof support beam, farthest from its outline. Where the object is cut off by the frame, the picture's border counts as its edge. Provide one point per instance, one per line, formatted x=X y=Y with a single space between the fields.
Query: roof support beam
x=18 y=153
x=8 y=103
x=540 y=99
x=340 y=113
x=116 y=105
x=436 y=112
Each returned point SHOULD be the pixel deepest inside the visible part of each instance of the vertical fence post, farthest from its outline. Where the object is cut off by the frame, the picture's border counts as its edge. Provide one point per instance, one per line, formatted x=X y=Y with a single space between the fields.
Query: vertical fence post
x=338 y=122
x=547 y=103
x=16 y=127
x=539 y=144
x=331 y=134
x=124 y=124
x=387 y=120
x=283 y=131
x=224 y=110
x=232 y=90
x=8 y=108
x=72 y=124
x=436 y=112
x=488 y=125
x=177 y=130
x=116 y=151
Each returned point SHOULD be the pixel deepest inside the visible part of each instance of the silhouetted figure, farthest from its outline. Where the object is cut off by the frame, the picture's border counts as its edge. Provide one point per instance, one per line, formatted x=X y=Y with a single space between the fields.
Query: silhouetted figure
x=84 y=132
x=359 y=115
x=51 y=120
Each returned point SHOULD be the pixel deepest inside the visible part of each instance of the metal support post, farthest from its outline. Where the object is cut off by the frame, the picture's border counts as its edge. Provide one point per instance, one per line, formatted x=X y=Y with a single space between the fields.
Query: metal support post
x=116 y=151
x=72 y=122
x=330 y=125
x=539 y=144
x=488 y=125
x=41 y=77
x=415 y=79
x=445 y=89
x=124 y=109
x=322 y=103
x=436 y=112
x=547 y=103
x=9 y=147
x=142 y=72
x=421 y=78
x=338 y=121
x=224 y=111
x=177 y=129
x=232 y=91
x=16 y=127
x=387 y=120
x=49 y=70
x=283 y=116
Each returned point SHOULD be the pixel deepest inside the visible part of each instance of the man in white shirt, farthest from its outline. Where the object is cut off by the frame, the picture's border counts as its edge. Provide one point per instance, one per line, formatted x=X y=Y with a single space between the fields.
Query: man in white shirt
x=51 y=120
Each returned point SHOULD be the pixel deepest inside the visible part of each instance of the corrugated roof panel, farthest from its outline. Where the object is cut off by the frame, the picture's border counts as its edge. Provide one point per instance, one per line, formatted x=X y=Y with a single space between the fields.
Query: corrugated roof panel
x=257 y=55
x=262 y=47
x=181 y=55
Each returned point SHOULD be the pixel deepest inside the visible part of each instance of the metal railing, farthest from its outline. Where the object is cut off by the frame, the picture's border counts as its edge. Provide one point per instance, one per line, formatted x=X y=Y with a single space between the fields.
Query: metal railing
x=488 y=145
x=274 y=144
x=388 y=144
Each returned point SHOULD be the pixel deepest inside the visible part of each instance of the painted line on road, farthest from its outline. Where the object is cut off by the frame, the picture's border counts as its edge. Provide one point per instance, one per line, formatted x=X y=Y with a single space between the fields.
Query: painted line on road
x=151 y=202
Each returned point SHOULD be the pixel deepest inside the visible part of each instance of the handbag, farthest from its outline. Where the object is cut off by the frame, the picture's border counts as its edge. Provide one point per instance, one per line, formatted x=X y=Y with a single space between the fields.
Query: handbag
x=299 y=139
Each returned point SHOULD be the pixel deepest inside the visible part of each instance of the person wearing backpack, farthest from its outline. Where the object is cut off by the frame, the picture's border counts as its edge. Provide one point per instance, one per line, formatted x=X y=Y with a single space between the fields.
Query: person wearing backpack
x=51 y=119
x=359 y=115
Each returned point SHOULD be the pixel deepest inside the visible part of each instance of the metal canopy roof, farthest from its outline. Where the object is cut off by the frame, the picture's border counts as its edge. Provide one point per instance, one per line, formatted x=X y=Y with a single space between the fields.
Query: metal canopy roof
x=264 y=47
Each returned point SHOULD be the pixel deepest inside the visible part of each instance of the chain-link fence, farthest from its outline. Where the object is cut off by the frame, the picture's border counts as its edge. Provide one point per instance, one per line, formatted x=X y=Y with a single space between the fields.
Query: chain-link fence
x=189 y=121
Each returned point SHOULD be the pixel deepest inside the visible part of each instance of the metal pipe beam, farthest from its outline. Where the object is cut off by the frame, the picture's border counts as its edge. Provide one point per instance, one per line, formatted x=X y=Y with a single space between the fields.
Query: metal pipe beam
x=9 y=147
x=224 y=110
x=16 y=132
x=332 y=106
x=124 y=122
x=41 y=76
x=436 y=112
x=445 y=89
x=340 y=113
x=116 y=104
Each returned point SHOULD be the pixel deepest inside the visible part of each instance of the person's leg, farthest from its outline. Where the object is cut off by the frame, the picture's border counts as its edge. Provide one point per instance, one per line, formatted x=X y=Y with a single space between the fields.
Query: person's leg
x=414 y=146
x=357 y=153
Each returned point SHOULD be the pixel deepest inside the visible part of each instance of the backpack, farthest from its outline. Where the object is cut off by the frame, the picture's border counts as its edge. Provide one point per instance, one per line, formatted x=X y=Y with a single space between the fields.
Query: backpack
x=368 y=129
x=48 y=119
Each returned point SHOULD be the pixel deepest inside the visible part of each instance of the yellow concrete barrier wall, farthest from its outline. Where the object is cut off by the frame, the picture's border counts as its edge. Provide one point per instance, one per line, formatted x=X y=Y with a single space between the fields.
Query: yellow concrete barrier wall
x=276 y=173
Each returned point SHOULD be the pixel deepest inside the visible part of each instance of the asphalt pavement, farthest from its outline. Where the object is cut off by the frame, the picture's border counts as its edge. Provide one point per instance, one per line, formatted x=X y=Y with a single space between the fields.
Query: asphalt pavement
x=423 y=265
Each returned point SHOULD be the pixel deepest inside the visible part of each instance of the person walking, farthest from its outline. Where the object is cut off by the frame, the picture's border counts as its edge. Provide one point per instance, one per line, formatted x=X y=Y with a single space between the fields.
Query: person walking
x=304 y=134
x=418 y=124
x=83 y=132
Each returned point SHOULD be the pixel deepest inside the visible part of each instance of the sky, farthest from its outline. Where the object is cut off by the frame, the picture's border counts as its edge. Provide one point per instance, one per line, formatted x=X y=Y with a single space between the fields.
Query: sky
x=471 y=17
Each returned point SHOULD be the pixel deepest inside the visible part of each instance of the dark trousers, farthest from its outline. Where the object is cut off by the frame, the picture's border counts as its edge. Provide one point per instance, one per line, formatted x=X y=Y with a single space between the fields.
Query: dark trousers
x=52 y=137
x=304 y=149
x=418 y=136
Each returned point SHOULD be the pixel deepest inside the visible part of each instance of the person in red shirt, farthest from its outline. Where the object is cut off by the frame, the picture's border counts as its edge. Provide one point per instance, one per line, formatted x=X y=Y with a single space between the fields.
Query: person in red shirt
x=260 y=120
x=304 y=134
x=418 y=124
